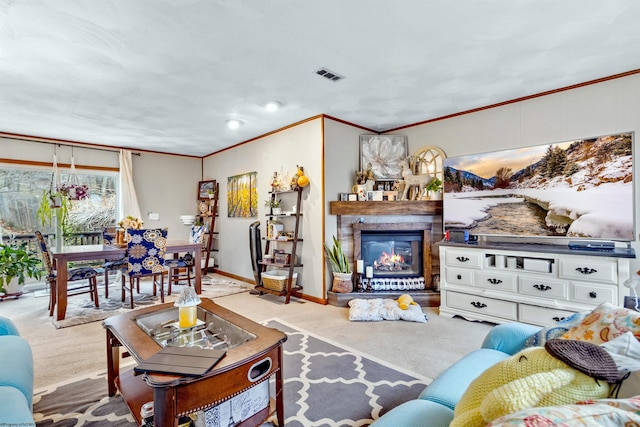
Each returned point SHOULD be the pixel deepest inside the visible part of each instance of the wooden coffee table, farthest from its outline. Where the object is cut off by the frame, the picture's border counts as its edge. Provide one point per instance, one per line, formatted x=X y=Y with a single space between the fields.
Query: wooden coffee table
x=254 y=355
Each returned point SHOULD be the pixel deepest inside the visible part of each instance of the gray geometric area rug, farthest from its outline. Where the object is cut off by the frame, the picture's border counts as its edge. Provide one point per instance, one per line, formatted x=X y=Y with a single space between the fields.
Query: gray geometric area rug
x=325 y=385
x=81 y=310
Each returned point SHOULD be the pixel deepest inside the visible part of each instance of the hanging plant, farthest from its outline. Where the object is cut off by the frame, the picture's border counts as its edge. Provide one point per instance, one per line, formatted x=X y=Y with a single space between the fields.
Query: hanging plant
x=52 y=204
x=73 y=191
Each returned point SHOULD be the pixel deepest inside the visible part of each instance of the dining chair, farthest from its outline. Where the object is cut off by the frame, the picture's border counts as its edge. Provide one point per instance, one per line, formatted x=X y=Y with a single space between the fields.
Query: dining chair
x=111 y=265
x=186 y=261
x=145 y=257
x=73 y=275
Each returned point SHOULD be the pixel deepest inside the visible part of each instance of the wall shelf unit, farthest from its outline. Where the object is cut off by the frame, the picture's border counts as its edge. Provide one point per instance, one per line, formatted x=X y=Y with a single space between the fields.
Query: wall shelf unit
x=280 y=239
x=207 y=215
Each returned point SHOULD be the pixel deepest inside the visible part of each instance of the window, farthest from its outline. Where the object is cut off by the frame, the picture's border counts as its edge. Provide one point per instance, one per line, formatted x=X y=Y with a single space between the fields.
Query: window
x=21 y=191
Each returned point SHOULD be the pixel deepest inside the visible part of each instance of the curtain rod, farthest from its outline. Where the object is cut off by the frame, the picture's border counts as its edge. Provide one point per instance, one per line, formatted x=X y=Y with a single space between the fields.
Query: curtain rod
x=59 y=144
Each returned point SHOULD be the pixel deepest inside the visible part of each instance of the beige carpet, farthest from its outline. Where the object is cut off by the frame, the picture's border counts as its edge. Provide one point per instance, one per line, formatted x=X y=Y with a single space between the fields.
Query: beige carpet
x=425 y=349
x=81 y=309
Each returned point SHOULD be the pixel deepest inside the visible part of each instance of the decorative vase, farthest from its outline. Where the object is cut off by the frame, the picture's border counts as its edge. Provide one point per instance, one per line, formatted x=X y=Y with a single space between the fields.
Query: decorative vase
x=276 y=211
x=342 y=282
x=13 y=288
x=56 y=201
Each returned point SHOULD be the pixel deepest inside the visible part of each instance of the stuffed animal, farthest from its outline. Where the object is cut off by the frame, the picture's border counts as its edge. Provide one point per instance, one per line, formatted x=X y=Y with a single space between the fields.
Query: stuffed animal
x=532 y=377
x=405 y=300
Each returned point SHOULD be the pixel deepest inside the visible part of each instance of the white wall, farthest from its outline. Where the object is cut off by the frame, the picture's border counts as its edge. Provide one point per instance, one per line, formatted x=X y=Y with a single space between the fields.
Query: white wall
x=599 y=109
x=341 y=161
x=43 y=152
x=165 y=184
x=283 y=150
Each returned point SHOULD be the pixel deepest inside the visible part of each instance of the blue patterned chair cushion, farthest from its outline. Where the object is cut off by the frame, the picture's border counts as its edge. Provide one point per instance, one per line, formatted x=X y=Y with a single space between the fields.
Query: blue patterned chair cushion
x=195 y=236
x=145 y=250
x=79 y=273
x=73 y=274
x=109 y=236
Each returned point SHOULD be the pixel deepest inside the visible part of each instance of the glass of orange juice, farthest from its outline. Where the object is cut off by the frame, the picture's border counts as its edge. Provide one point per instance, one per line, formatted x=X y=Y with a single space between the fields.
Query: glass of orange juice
x=187 y=316
x=187 y=304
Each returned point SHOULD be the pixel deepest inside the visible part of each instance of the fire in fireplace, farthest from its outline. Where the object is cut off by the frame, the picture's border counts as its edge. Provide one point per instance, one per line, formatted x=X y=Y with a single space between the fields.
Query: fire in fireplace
x=393 y=253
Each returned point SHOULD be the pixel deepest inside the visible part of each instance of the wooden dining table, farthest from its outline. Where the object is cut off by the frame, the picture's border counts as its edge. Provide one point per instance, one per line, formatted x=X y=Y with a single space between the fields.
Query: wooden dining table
x=61 y=259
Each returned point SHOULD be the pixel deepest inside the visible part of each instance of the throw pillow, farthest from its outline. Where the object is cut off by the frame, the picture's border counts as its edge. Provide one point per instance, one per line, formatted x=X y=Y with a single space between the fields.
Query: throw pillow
x=600 y=412
x=540 y=338
x=605 y=323
x=374 y=310
x=625 y=352
x=413 y=314
x=365 y=310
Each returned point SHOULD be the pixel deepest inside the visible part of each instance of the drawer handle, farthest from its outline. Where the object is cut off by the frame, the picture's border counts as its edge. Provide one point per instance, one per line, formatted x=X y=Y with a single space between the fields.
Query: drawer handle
x=494 y=281
x=459 y=276
x=478 y=304
x=462 y=258
x=593 y=294
x=259 y=370
x=586 y=270
x=542 y=287
x=558 y=319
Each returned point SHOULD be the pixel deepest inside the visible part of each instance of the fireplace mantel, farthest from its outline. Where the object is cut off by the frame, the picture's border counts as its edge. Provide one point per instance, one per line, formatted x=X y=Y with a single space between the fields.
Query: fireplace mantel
x=396 y=207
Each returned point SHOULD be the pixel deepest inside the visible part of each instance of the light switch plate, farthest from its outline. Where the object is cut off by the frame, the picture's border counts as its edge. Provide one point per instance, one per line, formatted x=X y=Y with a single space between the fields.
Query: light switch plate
x=154 y=216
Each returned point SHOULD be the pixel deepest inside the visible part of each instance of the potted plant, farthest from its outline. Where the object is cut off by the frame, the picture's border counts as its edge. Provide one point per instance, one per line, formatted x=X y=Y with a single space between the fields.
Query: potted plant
x=16 y=264
x=52 y=203
x=435 y=189
x=274 y=204
x=339 y=266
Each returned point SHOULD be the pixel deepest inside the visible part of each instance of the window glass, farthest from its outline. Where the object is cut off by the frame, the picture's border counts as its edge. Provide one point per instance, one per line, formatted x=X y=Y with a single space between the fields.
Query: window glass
x=21 y=191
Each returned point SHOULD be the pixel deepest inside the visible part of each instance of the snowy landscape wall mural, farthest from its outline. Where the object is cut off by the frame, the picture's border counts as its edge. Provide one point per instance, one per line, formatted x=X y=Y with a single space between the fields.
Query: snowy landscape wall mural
x=578 y=189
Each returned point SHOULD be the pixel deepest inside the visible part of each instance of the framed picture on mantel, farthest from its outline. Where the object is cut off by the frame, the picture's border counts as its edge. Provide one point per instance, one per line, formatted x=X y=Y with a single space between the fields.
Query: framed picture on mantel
x=384 y=154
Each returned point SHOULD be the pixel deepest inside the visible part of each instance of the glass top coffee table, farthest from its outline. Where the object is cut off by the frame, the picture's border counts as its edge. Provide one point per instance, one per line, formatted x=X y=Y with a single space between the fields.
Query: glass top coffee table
x=253 y=355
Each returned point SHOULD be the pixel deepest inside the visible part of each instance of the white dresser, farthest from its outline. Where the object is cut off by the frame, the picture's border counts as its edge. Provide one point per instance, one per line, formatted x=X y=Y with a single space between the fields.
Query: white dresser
x=536 y=284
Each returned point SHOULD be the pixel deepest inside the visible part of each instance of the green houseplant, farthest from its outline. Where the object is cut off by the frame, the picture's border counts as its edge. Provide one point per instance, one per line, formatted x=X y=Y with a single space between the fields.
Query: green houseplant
x=435 y=189
x=17 y=262
x=339 y=266
x=274 y=204
x=52 y=204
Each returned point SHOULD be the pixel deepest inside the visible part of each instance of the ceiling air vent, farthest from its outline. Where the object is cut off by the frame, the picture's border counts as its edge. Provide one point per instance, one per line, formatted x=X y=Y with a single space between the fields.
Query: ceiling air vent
x=328 y=74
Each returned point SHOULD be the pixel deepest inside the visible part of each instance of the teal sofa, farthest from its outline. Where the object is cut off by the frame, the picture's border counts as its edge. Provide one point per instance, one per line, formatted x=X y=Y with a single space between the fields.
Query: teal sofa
x=16 y=377
x=434 y=406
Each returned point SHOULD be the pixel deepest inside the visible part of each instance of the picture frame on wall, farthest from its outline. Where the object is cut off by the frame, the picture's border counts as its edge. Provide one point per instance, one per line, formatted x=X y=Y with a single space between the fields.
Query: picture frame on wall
x=204 y=189
x=384 y=154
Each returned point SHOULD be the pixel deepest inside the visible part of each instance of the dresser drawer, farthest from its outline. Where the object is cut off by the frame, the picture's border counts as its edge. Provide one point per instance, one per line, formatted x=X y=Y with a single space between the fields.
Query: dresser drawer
x=594 y=294
x=459 y=276
x=541 y=316
x=463 y=259
x=590 y=270
x=492 y=280
x=545 y=288
x=482 y=305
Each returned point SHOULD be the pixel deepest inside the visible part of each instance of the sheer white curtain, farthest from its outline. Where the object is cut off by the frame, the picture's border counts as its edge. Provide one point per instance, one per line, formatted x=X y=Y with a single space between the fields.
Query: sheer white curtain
x=128 y=200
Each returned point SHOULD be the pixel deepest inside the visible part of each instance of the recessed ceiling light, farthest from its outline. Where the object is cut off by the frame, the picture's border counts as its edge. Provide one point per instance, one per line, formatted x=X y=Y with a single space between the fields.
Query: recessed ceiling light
x=233 y=124
x=273 y=106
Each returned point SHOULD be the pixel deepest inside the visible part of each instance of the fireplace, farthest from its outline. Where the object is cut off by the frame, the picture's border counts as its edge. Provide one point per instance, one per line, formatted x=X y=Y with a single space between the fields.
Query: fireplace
x=392 y=253
x=399 y=254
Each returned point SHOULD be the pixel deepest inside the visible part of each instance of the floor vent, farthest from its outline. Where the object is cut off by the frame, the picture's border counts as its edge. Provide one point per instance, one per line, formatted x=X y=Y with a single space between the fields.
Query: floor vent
x=328 y=74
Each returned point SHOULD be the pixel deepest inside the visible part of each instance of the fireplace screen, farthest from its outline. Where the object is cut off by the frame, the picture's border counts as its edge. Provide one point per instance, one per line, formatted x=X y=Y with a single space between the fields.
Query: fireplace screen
x=393 y=254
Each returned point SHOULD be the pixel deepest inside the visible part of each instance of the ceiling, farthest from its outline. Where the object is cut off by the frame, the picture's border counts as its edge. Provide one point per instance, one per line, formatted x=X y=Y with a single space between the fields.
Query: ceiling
x=165 y=75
